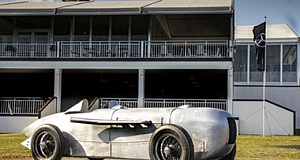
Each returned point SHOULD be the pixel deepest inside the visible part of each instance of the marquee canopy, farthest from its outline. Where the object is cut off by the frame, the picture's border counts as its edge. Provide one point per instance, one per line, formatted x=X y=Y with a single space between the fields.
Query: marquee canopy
x=120 y=7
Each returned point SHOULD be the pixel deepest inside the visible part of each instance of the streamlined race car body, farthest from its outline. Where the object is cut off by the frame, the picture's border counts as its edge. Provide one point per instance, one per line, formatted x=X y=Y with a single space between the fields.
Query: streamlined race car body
x=182 y=133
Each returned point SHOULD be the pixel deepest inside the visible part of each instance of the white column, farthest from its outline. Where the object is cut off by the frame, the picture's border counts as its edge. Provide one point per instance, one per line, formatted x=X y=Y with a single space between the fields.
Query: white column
x=230 y=90
x=141 y=92
x=281 y=64
x=57 y=89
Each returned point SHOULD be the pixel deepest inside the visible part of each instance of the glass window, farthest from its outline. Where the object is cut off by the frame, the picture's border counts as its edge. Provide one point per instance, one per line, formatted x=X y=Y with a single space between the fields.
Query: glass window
x=240 y=64
x=100 y=28
x=120 y=28
x=82 y=28
x=62 y=28
x=273 y=63
x=289 y=59
x=255 y=74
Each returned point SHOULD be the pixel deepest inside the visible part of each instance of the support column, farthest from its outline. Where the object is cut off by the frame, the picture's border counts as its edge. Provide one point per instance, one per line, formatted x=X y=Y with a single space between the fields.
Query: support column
x=57 y=89
x=230 y=90
x=141 y=92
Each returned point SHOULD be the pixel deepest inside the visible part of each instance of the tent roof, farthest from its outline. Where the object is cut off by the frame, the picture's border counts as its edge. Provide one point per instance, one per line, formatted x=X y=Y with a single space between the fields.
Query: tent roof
x=274 y=33
x=190 y=6
x=23 y=8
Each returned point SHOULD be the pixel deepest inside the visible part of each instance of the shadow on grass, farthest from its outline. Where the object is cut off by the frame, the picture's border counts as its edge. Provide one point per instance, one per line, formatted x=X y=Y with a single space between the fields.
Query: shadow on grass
x=289 y=146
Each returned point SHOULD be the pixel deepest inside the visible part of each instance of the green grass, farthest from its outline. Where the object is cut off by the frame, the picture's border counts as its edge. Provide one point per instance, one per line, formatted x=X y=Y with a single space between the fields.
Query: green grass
x=268 y=147
x=10 y=146
x=249 y=147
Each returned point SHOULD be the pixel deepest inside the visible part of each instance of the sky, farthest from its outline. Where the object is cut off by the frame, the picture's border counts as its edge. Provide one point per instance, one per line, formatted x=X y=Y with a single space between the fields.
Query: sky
x=252 y=12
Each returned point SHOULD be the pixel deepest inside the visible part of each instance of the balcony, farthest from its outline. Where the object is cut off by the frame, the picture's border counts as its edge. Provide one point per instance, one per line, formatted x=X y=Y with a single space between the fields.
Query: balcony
x=16 y=106
x=117 y=49
x=20 y=105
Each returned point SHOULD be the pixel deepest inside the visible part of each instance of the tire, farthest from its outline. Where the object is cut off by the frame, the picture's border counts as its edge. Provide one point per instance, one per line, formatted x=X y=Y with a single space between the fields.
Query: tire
x=171 y=142
x=47 y=143
x=231 y=155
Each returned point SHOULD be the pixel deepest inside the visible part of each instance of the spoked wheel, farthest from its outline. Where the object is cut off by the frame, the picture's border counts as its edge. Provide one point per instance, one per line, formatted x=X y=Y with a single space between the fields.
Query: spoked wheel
x=171 y=143
x=47 y=143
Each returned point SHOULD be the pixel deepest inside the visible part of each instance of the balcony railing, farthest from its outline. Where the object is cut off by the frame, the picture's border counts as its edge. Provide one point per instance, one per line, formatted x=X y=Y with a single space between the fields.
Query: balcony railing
x=31 y=105
x=20 y=105
x=168 y=103
x=117 y=49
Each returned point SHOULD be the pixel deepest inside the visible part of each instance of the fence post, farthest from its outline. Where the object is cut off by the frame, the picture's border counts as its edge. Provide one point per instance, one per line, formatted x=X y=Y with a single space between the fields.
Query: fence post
x=142 y=48
x=57 y=49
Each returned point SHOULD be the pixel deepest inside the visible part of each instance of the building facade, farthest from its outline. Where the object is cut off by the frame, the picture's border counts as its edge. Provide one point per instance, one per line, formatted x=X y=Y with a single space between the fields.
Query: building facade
x=282 y=71
x=142 y=53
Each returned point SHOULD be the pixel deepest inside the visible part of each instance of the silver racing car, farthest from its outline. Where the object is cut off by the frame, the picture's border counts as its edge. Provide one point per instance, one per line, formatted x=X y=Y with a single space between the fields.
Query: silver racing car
x=182 y=133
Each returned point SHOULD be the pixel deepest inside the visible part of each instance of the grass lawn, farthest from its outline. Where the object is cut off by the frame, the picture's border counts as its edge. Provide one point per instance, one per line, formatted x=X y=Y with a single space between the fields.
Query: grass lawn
x=268 y=147
x=10 y=146
x=248 y=147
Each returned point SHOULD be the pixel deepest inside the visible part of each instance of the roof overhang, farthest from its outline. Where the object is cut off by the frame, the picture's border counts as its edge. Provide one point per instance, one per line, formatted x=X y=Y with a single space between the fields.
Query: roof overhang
x=32 y=8
x=190 y=7
x=274 y=33
x=104 y=8
x=116 y=7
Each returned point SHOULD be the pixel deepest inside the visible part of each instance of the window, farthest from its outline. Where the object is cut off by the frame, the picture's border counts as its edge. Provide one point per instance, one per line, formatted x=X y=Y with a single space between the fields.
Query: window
x=273 y=63
x=255 y=75
x=240 y=63
x=289 y=58
x=281 y=66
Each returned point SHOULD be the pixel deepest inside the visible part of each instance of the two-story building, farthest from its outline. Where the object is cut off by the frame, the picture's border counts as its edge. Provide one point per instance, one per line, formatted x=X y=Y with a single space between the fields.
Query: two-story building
x=149 y=53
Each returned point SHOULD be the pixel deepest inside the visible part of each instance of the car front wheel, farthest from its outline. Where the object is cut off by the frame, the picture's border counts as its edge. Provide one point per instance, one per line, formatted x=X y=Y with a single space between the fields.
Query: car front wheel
x=171 y=142
x=47 y=143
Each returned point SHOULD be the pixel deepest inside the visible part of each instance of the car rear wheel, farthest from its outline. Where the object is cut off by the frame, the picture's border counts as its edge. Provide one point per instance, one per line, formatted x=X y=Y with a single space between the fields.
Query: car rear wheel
x=47 y=143
x=231 y=155
x=171 y=142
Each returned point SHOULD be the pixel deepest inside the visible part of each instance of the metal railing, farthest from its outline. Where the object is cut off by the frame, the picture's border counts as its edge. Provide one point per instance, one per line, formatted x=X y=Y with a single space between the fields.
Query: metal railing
x=20 y=105
x=28 y=50
x=127 y=102
x=117 y=49
x=201 y=103
x=168 y=103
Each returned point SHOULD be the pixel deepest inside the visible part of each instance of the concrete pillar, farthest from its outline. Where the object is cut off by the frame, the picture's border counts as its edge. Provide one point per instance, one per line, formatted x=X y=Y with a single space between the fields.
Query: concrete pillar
x=141 y=92
x=57 y=89
x=230 y=90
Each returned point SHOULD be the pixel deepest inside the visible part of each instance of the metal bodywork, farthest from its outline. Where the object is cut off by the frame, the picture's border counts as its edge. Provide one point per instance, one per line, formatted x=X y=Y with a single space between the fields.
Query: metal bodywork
x=125 y=133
